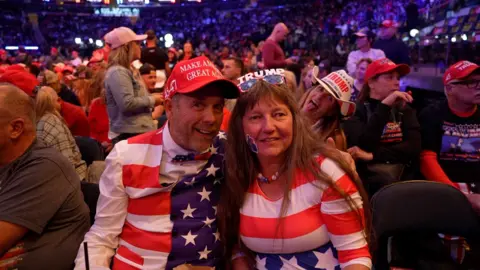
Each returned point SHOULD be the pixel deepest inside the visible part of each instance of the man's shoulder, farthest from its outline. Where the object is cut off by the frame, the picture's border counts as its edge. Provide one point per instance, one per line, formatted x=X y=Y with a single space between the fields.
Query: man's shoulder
x=45 y=160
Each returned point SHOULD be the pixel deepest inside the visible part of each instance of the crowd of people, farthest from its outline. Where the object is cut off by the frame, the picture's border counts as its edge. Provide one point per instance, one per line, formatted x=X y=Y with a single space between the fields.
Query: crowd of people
x=262 y=159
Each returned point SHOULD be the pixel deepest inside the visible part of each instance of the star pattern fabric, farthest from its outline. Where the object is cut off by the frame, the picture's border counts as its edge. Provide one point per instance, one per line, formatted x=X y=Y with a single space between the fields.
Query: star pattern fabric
x=195 y=236
x=324 y=257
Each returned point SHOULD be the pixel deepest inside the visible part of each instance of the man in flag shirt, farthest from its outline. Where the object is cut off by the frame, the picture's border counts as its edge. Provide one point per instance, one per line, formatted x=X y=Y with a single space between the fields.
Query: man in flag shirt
x=158 y=194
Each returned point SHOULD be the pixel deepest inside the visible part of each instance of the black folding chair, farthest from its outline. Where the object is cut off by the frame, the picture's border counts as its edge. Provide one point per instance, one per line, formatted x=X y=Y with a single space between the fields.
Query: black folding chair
x=91 y=191
x=90 y=149
x=419 y=210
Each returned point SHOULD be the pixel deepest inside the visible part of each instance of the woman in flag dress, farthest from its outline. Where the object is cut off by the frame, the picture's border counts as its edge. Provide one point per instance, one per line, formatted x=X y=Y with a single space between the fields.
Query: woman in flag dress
x=290 y=202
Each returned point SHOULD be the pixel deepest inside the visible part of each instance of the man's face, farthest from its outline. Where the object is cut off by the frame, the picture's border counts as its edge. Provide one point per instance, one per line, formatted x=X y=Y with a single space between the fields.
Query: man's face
x=225 y=52
x=53 y=52
x=195 y=118
x=187 y=47
x=74 y=55
x=150 y=80
x=282 y=34
x=361 y=42
x=466 y=91
x=230 y=70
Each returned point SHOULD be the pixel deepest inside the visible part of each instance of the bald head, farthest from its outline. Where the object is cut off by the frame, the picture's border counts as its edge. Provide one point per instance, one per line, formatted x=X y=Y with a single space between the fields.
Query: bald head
x=15 y=103
x=279 y=33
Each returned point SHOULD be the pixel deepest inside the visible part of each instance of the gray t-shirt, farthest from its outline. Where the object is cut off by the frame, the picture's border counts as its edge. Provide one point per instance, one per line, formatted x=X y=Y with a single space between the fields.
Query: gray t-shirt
x=41 y=192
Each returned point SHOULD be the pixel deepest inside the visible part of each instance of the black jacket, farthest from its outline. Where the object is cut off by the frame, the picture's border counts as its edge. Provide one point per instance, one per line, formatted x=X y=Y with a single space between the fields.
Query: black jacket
x=366 y=132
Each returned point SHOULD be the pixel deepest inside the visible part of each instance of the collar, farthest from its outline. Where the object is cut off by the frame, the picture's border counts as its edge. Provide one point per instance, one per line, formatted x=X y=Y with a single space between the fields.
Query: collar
x=169 y=145
x=463 y=114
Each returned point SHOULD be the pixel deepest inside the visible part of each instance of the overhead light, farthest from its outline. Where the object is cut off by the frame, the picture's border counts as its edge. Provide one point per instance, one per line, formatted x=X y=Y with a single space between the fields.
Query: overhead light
x=99 y=43
x=464 y=37
x=168 y=37
x=436 y=37
x=90 y=40
x=454 y=39
x=78 y=41
x=414 y=32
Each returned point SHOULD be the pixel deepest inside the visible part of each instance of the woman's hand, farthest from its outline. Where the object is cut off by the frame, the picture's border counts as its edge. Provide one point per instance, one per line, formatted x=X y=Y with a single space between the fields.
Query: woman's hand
x=397 y=96
x=159 y=99
x=358 y=154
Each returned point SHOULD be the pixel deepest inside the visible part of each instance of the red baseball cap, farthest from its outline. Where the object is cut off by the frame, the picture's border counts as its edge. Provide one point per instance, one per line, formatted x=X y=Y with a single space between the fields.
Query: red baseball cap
x=388 y=24
x=191 y=75
x=385 y=65
x=21 y=79
x=459 y=71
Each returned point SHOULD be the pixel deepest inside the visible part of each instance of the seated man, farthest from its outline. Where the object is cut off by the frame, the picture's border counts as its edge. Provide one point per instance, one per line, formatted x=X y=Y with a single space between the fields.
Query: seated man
x=450 y=133
x=159 y=192
x=43 y=217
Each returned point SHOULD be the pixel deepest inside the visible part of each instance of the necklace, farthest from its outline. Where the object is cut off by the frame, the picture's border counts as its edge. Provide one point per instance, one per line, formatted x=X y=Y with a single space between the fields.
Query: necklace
x=265 y=179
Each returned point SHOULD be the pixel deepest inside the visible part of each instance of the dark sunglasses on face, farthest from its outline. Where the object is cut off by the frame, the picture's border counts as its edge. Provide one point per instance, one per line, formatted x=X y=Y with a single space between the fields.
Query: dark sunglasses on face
x=271 y=79
x=472 y=84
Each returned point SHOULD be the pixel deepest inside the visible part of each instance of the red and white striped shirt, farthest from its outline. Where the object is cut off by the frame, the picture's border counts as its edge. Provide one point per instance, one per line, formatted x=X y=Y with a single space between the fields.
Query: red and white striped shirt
x=318 y=230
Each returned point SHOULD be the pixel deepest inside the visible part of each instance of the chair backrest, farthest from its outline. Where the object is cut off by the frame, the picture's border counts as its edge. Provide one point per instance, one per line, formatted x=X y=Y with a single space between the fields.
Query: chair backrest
x=90 y=149
x=91 y=192
x=423 y=206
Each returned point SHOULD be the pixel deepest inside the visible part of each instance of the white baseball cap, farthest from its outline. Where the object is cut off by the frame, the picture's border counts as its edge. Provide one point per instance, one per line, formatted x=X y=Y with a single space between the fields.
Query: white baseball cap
x=339 y=84
x=121 y=36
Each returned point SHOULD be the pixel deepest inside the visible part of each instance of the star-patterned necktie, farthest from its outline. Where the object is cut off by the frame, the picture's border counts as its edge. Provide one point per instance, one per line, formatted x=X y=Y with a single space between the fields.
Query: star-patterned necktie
x=191 y=157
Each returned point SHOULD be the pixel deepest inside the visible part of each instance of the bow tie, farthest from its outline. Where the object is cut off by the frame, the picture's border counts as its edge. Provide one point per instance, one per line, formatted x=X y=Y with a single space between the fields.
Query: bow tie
x=192 y=157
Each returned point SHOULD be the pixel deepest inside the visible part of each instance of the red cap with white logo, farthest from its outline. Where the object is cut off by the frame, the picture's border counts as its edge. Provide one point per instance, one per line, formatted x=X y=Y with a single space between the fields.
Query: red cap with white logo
x=385 y=65
x=459 y=71
x=191 y=75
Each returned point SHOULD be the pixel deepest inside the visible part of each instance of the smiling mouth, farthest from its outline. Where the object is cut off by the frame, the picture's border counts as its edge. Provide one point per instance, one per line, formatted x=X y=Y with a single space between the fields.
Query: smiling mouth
x=270 y=139
x=205 y=132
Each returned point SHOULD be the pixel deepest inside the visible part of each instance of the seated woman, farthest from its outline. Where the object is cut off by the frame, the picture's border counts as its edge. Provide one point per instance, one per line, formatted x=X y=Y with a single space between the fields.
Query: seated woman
x=384 y=133
x=290 y=201
x=327 y=103
x=53 y=131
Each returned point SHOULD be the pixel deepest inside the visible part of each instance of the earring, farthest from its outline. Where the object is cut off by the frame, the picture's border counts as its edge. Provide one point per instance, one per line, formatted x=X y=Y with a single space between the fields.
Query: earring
x=251 y=143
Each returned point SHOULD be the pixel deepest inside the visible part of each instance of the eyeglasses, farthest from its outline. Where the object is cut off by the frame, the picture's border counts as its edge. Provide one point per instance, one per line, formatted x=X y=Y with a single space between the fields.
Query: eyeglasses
x=271 y=79
x=472 y=84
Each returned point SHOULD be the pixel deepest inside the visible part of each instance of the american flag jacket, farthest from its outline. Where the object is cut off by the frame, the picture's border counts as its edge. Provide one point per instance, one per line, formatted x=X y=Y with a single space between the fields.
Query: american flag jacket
x=144 y=224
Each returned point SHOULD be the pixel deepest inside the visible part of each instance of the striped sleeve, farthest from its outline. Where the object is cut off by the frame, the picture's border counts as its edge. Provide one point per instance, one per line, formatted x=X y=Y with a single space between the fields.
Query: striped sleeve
x=103 y=237
x=344 y=228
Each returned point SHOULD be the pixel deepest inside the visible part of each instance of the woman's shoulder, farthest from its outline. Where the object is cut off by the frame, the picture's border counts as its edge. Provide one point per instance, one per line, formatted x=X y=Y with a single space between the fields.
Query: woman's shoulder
x=49 y=118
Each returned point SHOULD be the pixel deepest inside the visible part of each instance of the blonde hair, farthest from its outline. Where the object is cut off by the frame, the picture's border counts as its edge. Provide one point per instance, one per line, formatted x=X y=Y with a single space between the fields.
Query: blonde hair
x=122 y=56
x=45 y=102
x=243 y=165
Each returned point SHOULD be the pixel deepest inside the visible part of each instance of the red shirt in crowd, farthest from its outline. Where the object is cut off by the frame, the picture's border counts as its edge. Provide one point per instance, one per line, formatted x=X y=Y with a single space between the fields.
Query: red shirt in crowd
x=273 y=55
x=98 y=120
x=76 y=119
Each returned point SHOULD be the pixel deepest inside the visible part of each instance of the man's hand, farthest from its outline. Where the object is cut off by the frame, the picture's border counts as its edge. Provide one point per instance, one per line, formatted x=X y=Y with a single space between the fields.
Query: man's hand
x=11 y=234
x=358 y=154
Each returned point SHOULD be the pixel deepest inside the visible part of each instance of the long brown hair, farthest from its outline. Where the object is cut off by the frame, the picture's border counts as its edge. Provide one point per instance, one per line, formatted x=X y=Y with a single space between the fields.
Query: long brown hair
x=329 y=125
x=95 y=86
x=243 y=167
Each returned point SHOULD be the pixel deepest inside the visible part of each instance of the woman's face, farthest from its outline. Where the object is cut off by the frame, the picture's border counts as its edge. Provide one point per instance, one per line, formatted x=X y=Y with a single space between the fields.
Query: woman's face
x=361 y=69
x=171 y=55
x=270 y=124
x=319 y=103
x=384 y=85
